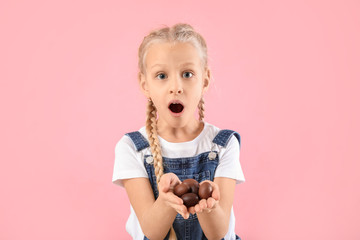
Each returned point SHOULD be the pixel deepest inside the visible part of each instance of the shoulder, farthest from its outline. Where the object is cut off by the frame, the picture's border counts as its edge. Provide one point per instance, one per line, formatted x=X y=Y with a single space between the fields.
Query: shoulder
x=125 y=142
x=128 y=160
x=128 y=141
x=229 y=155
x=210 y=131
x=224 y=136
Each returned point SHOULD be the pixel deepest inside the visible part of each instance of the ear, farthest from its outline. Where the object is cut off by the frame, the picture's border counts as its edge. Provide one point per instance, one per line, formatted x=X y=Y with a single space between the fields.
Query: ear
x=143 y=85
x=207 y=75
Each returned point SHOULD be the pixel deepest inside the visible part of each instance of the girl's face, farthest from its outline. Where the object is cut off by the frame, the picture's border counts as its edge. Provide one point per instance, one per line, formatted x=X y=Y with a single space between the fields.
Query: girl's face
x=174 y=74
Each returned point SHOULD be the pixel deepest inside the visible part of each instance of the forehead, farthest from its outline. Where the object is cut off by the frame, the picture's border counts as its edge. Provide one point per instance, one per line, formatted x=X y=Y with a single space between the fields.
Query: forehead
x=172 y=54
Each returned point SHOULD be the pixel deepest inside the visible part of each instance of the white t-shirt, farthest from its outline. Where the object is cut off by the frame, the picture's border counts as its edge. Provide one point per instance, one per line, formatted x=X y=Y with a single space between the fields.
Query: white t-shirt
x=129 y=163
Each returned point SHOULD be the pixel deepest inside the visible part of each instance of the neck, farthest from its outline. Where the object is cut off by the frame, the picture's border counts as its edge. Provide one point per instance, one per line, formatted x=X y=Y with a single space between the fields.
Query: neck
x=180 y=134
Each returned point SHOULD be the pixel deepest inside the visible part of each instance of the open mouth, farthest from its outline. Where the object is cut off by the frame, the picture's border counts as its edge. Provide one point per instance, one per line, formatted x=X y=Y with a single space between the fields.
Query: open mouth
x=176 y=107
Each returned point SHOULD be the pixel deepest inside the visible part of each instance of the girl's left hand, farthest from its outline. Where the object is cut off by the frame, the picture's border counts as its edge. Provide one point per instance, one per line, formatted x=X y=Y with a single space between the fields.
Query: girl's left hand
x=207 y=205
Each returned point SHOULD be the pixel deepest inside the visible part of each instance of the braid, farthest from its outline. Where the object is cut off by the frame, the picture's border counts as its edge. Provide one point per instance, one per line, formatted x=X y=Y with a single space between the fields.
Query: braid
x=201 y=109
x=156 y=149
x=151 y=130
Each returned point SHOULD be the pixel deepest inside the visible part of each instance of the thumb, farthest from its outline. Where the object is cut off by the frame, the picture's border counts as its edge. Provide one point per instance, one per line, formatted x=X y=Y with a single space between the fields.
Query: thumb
x=216 y=192
x=216 y=195
x=164 y=184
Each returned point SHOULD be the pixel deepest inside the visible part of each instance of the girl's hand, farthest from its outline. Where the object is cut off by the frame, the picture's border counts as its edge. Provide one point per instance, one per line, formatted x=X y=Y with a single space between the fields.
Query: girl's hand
x=207 y=205
x=167 y=183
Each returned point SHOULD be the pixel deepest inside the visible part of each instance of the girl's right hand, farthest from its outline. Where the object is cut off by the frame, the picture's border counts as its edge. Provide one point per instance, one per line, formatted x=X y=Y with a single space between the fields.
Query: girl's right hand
x=167 y=183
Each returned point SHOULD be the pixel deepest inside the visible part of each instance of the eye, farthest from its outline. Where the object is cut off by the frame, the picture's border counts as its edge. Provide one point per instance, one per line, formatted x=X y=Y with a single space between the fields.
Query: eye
x=187 y=74
x=161 y=76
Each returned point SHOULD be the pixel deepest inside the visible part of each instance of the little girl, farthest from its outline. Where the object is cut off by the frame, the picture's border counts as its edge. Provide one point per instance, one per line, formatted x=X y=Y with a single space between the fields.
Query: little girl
x=176 y=145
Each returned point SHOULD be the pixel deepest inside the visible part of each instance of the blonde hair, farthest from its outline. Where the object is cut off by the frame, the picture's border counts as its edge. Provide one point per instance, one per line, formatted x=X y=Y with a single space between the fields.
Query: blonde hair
x=180 y=32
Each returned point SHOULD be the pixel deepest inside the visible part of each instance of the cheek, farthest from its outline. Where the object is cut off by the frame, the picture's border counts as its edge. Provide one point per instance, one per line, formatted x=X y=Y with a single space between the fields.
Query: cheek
x=197 y=93
x=195 y=103
x=159 y=103
x=156 y=91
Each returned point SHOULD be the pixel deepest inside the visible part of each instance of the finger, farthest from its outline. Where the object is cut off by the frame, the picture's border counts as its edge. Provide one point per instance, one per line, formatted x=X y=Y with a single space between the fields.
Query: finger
x=198 y=208
x=164 y=183
x=186 y=216
x=172 y=186
x=192 y=210
x=174 y=180
x=173 y=199
x=210 y=202
x=216 y=194
x=184 y=212
x=181 y=209
x=216 y=191
x=202 y=204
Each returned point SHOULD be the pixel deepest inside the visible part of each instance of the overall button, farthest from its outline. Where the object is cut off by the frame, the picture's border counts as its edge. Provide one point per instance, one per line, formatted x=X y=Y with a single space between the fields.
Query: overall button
x=150 y=160
x=212 y=155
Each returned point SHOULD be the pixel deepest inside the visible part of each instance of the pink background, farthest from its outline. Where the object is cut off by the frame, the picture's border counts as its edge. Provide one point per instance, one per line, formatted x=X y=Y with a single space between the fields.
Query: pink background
x=286 y=77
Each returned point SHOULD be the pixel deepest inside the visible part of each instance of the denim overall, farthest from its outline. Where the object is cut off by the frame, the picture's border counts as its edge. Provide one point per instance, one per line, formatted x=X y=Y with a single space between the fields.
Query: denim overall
x=201 y=167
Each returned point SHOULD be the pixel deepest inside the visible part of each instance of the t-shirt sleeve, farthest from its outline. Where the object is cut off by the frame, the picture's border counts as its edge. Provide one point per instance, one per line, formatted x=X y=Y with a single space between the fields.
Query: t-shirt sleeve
x=128 y=162
x=229 y=162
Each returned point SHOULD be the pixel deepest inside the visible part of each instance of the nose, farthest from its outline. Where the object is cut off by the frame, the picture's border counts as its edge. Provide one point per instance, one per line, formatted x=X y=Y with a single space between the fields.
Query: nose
x=176 y=87
x=179 y=91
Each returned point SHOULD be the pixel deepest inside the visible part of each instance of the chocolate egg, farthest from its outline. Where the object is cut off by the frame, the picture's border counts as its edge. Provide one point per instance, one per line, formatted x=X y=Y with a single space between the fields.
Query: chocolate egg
x=193 y=184
x=190 y=199
x=181 y=189
x=205 y=190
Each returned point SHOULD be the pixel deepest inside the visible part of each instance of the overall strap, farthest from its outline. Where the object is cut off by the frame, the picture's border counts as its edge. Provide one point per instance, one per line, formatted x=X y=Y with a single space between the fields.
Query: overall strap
x=139 y=140
x=223 y=137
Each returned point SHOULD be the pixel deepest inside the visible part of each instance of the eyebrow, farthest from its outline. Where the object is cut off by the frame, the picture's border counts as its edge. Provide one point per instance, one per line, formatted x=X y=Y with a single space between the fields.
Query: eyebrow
x=184 y=64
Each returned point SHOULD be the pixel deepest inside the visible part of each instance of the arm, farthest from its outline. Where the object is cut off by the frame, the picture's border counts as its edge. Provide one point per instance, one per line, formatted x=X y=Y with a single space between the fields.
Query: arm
x=214 y=213
x=155 y=216
x=216 y=223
